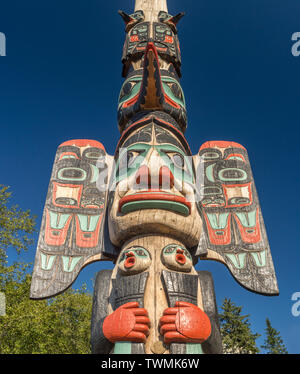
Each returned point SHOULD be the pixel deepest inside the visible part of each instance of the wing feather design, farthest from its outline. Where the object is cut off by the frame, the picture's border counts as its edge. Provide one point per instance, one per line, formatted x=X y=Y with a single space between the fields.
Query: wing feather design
x=234 y=231
x=71 y=234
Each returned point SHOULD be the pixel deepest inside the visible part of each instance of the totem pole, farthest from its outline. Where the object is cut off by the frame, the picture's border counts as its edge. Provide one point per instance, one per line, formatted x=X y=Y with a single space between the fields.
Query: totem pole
x=153 y=209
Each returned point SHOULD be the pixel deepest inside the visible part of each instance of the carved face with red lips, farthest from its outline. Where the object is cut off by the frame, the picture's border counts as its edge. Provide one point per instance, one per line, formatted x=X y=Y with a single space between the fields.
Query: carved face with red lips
x=176 y=257
x=154 y=186
x=134 y=260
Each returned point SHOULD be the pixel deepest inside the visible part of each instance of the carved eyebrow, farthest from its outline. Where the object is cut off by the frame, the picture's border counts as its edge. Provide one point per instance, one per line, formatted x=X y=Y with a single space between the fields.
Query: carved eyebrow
x=163 y=136
x=141 y=136
x=167 y=147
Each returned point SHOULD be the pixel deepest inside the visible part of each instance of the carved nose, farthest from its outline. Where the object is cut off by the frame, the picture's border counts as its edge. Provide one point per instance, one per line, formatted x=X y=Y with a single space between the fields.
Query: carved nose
x=166 y=178
x=143 y=178
x=180 y=251
x=129 y=254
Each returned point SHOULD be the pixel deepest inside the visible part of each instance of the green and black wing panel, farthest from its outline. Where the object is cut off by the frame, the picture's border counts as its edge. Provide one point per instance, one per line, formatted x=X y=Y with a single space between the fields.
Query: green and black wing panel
x=73 y=222
x=233 y=227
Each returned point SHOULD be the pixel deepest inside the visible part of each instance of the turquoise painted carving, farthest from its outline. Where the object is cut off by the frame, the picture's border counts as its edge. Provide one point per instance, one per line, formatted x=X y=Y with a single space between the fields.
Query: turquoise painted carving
x=69 y=263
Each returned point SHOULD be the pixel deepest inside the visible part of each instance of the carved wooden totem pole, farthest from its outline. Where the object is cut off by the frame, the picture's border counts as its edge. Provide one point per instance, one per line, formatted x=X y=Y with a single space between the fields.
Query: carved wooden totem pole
x=153 y=209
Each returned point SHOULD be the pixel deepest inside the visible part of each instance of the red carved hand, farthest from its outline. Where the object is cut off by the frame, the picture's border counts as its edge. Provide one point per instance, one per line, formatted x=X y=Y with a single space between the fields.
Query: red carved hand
x=185 y=323
x=127 y=323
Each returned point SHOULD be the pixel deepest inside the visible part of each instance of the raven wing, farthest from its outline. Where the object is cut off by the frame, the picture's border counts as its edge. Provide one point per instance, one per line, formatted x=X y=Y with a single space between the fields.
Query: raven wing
x=72 y=229
x=233 y=226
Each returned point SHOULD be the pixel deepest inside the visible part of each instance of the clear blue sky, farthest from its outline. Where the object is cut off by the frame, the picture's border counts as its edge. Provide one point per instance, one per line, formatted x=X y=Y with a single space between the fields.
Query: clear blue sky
x=61 y=78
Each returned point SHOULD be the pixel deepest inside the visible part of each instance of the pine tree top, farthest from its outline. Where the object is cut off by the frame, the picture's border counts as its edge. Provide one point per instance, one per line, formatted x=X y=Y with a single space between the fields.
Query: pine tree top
x=273 y=343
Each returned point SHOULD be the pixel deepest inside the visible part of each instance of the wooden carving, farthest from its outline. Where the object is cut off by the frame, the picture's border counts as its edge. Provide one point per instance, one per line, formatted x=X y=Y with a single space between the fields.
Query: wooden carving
x=154 y=209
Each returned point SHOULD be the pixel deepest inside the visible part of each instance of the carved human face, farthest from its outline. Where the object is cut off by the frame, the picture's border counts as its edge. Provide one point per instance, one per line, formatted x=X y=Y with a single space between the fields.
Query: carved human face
x=134 y=260
x=176 y=257
x=154 y=193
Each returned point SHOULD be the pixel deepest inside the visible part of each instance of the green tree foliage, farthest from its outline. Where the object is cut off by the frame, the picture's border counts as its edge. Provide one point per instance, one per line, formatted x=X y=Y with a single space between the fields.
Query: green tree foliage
x=273 y=343
x=16 y=225
x=16 y=233
x=236 y=331
x=58 y=325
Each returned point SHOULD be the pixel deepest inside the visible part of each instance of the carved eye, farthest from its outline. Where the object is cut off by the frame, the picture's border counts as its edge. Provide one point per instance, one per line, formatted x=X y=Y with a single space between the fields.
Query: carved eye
x=178 y=160
x=72 y=174
x=93 y=155
x=138 y=15
x=210 y=155
x=176 y=90
x=232 y=174
x=163 y=16
x=130 y=157
x=127 y=88
x=169 y=250
x=187 y=253
x=140 y=252
x=127 y=159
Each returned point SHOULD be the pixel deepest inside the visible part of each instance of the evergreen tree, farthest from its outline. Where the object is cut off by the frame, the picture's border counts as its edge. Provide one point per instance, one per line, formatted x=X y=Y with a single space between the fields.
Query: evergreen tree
x=237 y=336
x=273 y=343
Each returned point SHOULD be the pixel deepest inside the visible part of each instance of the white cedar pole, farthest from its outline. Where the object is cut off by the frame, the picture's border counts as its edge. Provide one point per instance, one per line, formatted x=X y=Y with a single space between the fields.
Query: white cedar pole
x=151 y=8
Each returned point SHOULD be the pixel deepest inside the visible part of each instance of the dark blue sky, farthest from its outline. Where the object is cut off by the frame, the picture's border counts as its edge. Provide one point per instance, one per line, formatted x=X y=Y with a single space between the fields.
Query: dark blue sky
x=61 y=78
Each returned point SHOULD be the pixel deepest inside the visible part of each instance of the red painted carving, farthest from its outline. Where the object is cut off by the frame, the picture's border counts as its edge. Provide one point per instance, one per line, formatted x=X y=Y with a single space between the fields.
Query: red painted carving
x=221 y=144
x=249 y=235
x=127 y=323
x=56 y=237
x=219 y=236
x=149 y=195
x=185 y=323
x=83 y=143
x=87 y=239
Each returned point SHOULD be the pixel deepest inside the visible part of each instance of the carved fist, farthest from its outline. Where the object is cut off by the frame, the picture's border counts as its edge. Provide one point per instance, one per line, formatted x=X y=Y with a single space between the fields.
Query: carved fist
x=127 y=323
x=185 y=323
